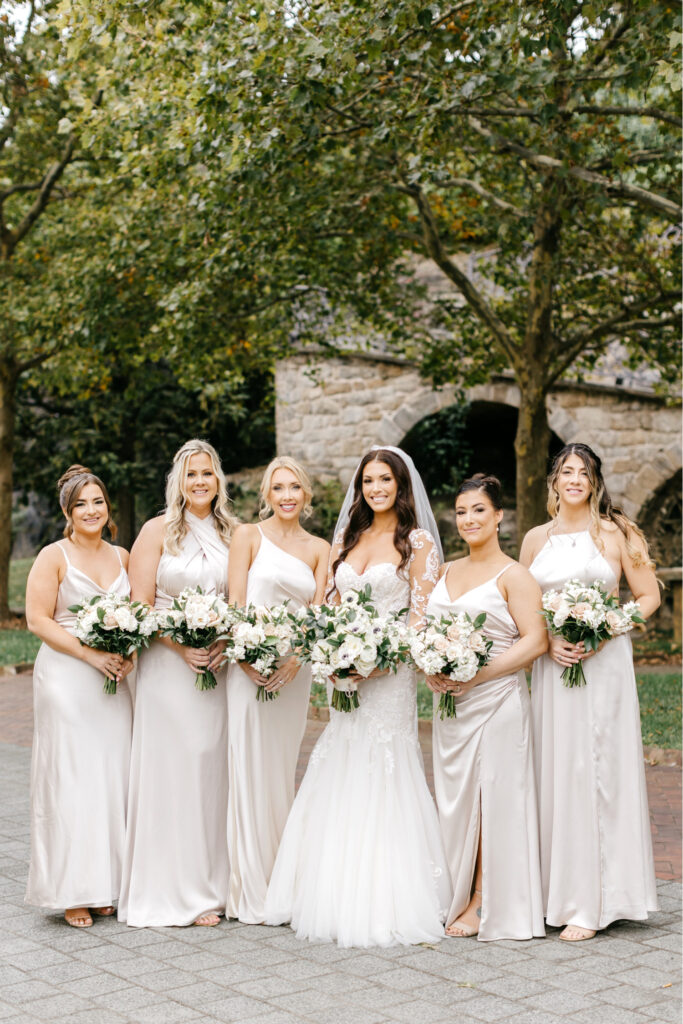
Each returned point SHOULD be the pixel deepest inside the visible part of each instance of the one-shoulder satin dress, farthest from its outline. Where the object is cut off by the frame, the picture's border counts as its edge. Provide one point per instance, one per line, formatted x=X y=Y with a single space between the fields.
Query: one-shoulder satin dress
x=79 y=767
x=175 y=865
x=596 y=847
x=484 y=781
x=264 y=741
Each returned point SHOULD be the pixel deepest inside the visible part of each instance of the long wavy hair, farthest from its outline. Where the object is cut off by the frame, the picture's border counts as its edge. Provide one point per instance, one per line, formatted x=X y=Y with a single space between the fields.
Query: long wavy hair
x=176 y=499
x=285 y=462
x=361 y=515
x=70 y=485
x=599 y=504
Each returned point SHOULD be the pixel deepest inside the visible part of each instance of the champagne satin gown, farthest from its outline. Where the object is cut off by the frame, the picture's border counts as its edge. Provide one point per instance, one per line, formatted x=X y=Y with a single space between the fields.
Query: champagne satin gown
x=175 y=864
x=484 y=782
x=596 y=847
x=361 y=861
x=264 y=741
x=79 y=768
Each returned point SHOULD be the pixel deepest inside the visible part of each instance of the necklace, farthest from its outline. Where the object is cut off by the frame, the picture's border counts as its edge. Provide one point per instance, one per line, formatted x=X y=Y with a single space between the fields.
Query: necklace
x=572 y=534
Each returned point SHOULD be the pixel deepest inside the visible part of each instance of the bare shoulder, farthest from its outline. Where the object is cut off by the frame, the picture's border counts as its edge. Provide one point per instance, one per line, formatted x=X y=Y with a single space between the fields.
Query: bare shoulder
x=123 y=555
x=245 y=531
x=321 y=547
x=534 y=541
x=153 y=528
x=609 y=527
x=49 y=558
x=517 y=575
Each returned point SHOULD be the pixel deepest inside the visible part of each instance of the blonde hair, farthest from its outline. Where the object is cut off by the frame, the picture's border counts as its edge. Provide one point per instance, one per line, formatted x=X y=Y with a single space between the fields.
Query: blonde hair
x=70 y=485
x=599 y=503
x=285 y=462
x=176 y=500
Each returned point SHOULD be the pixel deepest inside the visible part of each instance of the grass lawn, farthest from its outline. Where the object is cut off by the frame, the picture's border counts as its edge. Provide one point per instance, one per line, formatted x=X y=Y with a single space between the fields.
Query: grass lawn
x=17 y=645
x=18 y=571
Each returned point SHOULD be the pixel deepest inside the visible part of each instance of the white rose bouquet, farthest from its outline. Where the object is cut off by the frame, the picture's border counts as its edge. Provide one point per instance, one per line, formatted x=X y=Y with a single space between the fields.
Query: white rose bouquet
x=261 y=637
x=351 y=637
x=454 y=646
x=196 y=619
x=115 y=624
x=586 y=613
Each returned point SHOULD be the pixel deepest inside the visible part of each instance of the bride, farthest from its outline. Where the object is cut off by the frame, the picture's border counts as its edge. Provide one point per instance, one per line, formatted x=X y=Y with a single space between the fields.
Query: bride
x=361 y=860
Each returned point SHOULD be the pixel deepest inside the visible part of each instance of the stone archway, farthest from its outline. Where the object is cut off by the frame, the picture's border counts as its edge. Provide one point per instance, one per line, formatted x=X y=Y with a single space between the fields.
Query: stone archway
x=660 y=520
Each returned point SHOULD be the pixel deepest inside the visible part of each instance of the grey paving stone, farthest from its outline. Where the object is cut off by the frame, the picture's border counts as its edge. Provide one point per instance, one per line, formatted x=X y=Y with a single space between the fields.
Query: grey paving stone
x=69 y=971
x=492 y=1008
x=441 y=991
x=198 y=960
x=165 y=1012
x=10 y=975
x=95 y=984
x=352 y=1015
x=419 y=1011
x=24 y=991
x=610 y=1015
x=124 y=999
x=165 y=979
x=665 y=941
x=307 y=1002
x=375 y=997
x=512 y=987
x=97 y=1016
x=662 y=959
x=431 y=962
x=274 y=985
x=297 y=968
x=632 y=998
x=265 y=956
x=272 y=1017
x=561 y=1001
x=230 y=974
x=582 y=981
x=56 y=1007
x=405 y=979
x=366 y=965
x=198 y=994
x=236 y=1008
x=664 y=1011
x=538 y=1017
x=642 y=977
x=132 y=966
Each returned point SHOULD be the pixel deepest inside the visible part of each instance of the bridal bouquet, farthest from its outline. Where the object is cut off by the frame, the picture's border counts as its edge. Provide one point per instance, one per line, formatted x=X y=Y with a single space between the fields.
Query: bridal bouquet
x=261 y=636
x=196 y=619
x=349 y=637
x=454 y=646
x=115 y=624
x=586 y=613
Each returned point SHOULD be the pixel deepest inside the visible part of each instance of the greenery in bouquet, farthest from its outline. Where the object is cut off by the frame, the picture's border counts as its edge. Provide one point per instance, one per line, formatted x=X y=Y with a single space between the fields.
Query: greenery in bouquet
x=350 y=639
x=262 y=637
x=587 y=613
x=196 y=619
x=115 y=624
x=453 y=646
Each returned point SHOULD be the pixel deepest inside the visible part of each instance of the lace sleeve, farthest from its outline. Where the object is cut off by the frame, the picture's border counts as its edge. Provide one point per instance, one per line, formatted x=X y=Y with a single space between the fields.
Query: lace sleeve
x=424 y=574
x=331 y=594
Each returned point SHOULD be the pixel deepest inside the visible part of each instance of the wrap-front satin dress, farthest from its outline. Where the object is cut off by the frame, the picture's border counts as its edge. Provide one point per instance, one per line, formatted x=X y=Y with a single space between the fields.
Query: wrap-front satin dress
x=175 y=865
x=79 y=767
x=264 y=741
x=596 y=848
x=484 y=782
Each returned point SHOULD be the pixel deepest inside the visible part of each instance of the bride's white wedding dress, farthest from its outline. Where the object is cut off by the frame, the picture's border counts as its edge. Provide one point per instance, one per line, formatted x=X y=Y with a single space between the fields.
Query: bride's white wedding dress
x=361 y=860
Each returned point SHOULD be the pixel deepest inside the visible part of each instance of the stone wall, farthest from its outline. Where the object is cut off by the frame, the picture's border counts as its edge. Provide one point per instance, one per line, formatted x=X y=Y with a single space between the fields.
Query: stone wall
x=328 y=413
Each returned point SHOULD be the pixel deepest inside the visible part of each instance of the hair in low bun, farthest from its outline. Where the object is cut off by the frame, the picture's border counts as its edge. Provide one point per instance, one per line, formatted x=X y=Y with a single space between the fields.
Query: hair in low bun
x=490 y=485
x=70 y=485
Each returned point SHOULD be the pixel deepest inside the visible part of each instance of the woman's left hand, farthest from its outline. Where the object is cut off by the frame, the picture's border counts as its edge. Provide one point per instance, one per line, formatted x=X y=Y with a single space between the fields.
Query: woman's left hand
x=283 y=674
x=126 y=668
x=583 y=654
x=356 y=677
x=216 y=652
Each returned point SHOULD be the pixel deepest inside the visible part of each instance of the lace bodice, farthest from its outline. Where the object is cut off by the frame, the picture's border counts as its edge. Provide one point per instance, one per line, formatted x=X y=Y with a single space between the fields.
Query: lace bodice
x=388 y=703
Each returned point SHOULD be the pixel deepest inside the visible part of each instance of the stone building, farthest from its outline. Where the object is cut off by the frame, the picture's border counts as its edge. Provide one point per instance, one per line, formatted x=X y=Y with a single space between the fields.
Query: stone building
x=329 y=411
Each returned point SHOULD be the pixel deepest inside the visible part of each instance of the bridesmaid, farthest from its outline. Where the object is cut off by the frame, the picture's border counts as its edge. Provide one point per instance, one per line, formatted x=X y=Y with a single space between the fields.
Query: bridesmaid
x=81 y=741
x=483 y=766
x=174 y=867
x=596 y=849
x=272 y=563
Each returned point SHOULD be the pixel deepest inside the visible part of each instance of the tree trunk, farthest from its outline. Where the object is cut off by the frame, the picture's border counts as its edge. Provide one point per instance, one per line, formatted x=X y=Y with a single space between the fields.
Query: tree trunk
x=531 y=447
x=8 y=385
x=125 y=516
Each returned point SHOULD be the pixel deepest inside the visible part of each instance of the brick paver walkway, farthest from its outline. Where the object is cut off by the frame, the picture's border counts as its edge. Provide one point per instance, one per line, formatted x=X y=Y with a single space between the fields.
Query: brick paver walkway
x=110 y=974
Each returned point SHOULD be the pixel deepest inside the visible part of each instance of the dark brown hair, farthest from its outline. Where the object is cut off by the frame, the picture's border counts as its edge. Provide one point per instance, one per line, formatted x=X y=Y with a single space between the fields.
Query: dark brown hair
x=361 y=515
x=599 y=503
x=70 y=485
x=490 y=485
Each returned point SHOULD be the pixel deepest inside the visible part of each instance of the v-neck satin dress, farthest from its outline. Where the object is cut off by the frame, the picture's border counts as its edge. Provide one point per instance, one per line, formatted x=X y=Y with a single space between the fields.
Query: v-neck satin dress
x=79 y=767
x=484 y=782
x=175 y=864
x=596 y=848
x=264 y=742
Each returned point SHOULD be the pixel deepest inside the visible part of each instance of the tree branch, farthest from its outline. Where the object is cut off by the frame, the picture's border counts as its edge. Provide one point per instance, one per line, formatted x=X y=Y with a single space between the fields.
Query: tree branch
x=48 y=183
x=672 y=211
x=19 y=188
x=654 y=112
x=502 y=204
x=472 y=294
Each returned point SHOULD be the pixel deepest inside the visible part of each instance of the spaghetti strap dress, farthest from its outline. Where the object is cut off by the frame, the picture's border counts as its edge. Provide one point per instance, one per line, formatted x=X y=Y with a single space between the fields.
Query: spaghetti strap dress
x=79 y=767
x=264 y=741
x=484 y=782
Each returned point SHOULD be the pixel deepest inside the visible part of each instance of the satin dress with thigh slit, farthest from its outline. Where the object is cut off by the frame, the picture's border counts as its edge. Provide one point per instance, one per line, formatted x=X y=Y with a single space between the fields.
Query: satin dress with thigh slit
x=484 y=782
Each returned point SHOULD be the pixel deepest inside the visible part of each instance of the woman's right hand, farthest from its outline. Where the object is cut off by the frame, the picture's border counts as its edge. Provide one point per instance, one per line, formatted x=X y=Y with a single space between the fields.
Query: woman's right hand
x=438 y=683
x=110 y=665
x=564 y=653
x=196 y=658
x=250 y=671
